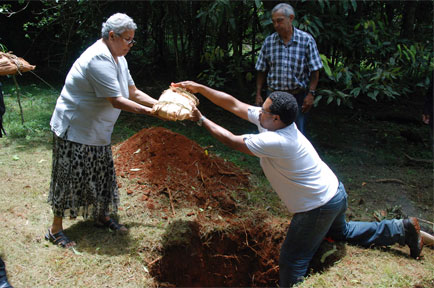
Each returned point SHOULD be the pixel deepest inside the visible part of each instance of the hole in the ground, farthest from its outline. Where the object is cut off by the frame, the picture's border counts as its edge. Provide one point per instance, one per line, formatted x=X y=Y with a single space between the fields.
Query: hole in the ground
x=243 y=255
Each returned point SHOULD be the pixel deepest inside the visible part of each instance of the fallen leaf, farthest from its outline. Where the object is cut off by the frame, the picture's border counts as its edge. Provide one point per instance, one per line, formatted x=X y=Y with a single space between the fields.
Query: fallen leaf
x=328 y=253
x=75 y=251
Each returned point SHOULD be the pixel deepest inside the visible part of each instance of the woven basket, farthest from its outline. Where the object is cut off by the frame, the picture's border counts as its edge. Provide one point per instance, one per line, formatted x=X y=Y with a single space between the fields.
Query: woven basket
x=11 y=64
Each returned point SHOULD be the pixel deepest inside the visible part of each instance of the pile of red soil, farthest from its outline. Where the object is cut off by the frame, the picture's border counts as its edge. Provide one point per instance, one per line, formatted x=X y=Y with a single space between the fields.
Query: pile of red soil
x=234 y=251
x=162 y=161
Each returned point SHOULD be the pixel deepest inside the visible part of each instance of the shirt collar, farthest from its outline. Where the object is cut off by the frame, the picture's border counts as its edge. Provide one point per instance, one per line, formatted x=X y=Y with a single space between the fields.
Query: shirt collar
x=295 y=36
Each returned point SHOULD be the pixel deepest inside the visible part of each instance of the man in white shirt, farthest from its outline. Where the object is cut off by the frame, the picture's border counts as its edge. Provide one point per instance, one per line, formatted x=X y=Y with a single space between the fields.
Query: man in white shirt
x=302 y=180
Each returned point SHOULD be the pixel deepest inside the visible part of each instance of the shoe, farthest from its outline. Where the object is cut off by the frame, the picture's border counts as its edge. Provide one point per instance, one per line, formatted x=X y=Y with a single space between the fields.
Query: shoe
x=4 y=283
x=3 y=278
x=412 y=236
x=59 y=239
x=112 y=225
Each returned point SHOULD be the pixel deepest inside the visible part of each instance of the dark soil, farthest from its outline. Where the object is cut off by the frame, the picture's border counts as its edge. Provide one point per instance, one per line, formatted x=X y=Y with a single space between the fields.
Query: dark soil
x=227 y=251
x=228 y=245
x=243 y=253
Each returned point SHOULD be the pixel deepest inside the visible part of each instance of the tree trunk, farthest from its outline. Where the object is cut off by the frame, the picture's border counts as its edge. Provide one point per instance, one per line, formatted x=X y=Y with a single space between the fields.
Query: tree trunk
x=408 y=19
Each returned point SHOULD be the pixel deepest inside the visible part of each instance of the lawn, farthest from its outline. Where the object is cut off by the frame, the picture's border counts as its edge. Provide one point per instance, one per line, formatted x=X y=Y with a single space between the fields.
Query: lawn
x=375 y=149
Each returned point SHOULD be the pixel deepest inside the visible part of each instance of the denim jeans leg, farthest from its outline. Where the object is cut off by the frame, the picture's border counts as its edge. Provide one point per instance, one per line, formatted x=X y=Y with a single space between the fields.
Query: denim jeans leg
x=301 y=117
x=305 y=234
x=366 y=234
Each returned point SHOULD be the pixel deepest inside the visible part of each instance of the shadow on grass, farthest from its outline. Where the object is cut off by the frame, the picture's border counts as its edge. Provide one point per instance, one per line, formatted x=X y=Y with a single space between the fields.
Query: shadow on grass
x=98 y=240
x=326 y=256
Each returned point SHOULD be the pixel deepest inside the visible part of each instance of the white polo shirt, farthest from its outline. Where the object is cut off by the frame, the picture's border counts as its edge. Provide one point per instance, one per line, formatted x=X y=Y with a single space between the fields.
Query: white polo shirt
x=82 y=109
x=292 y=165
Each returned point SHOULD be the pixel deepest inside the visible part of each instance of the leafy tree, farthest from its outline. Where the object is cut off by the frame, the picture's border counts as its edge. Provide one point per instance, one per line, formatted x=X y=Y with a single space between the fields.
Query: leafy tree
x=380 y=50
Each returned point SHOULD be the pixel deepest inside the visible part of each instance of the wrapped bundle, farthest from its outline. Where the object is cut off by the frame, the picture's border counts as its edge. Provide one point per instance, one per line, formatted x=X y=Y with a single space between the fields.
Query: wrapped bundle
x=175 y=104
x=11 y=64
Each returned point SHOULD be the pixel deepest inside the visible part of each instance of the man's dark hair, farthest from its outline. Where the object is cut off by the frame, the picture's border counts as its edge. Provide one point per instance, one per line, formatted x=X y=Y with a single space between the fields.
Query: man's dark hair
x=284 y=105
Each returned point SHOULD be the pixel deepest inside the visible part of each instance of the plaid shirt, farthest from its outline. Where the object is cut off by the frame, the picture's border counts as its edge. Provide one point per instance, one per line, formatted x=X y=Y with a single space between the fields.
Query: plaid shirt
x=289 y=67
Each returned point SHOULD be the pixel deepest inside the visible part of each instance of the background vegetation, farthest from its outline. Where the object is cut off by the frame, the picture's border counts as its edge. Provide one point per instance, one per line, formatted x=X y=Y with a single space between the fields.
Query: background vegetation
x=378 y=58
x=374 y=50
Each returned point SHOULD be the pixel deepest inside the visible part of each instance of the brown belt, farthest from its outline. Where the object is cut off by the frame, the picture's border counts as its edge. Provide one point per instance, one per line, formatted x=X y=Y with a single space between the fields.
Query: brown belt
x=293 y=91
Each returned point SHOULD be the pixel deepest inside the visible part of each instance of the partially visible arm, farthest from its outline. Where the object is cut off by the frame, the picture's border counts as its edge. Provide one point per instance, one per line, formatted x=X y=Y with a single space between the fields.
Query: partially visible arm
x=141 y=97
x=260 y=80
x=222 y=99
x=309 y=99
x=139 y=102
x=129 y=106
x=223 y=135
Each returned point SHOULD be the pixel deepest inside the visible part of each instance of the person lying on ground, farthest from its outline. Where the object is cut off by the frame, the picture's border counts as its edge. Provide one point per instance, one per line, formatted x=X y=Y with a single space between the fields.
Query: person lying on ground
x=307 y=186
x=97 y=88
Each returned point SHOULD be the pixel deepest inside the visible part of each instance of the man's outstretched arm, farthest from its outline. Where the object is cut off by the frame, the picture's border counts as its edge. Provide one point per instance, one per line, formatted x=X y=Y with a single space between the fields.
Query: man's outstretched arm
x=222 y=99
x=223 y=135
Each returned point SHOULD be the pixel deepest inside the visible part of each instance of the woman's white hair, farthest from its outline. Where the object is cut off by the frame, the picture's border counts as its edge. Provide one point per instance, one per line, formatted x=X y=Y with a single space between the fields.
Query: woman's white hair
x=117 y=23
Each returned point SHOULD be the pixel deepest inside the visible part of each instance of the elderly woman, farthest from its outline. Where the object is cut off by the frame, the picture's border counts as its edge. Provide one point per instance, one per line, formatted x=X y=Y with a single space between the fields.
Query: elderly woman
x=97 y=88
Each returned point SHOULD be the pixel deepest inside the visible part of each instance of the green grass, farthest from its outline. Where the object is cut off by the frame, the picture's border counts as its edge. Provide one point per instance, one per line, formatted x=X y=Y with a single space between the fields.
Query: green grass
x=356 y=151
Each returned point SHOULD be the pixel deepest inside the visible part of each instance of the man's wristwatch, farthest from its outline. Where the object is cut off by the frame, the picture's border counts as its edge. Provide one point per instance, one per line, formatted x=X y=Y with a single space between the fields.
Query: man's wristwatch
x=201 y=119
x=313 y=92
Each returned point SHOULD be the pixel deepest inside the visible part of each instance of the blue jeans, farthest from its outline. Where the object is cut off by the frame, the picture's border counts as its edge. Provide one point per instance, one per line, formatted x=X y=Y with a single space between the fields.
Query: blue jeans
x=301 y=117
x=308 y=229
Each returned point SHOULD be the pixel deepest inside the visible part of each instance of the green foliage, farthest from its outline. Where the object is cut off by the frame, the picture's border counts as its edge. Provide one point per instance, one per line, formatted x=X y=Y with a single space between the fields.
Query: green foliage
x=3 y=48
x=38 y=105
x=374 y=49
x=369 y=57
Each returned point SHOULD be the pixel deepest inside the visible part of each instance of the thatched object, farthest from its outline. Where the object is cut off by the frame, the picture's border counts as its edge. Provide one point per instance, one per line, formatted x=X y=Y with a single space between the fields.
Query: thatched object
x=175 y=104
x=11 y=64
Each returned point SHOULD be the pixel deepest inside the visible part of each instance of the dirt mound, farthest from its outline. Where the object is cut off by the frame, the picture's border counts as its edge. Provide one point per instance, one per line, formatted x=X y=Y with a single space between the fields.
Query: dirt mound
x=166 y=162
x=216 y=248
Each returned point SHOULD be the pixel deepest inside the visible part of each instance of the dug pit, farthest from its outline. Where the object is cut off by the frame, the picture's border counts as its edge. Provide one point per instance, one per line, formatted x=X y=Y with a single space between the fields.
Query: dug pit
x=224 y=243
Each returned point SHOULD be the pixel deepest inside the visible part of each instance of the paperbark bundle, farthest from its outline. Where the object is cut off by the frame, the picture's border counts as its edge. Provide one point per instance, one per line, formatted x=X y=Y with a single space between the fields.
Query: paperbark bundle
x=11 y=64
x=175 y=104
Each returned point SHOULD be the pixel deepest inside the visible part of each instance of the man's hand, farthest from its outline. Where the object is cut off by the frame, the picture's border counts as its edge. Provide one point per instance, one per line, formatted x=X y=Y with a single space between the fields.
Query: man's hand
x=259 y=100
x=190 y=86
x=425 y=118
x=195 y=115
x=307 y=103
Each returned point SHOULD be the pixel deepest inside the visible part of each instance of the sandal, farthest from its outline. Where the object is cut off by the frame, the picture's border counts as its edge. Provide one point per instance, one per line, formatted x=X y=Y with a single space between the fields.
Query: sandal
x=59 y=239
x=112 y=225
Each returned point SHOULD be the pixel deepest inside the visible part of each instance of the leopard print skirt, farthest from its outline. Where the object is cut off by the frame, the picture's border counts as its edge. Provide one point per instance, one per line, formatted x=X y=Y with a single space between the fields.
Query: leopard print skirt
x=83 y=180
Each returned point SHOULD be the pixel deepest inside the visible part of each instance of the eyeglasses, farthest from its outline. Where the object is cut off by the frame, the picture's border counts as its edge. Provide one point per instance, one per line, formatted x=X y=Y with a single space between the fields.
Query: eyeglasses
x=266 y=112
x=129 y=42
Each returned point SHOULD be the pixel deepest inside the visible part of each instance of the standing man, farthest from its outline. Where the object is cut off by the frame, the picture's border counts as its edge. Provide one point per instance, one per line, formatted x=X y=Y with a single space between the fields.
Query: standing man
x=306 y=185
x=290 y=61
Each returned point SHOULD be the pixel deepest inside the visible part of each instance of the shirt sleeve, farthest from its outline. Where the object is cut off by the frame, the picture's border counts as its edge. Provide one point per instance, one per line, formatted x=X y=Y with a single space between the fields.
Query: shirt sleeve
x=255 y=142
x=261 y=63
x=266 y=144
x=253 y=115
x=102 y=74
x=314 y=59
x=130 y=79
